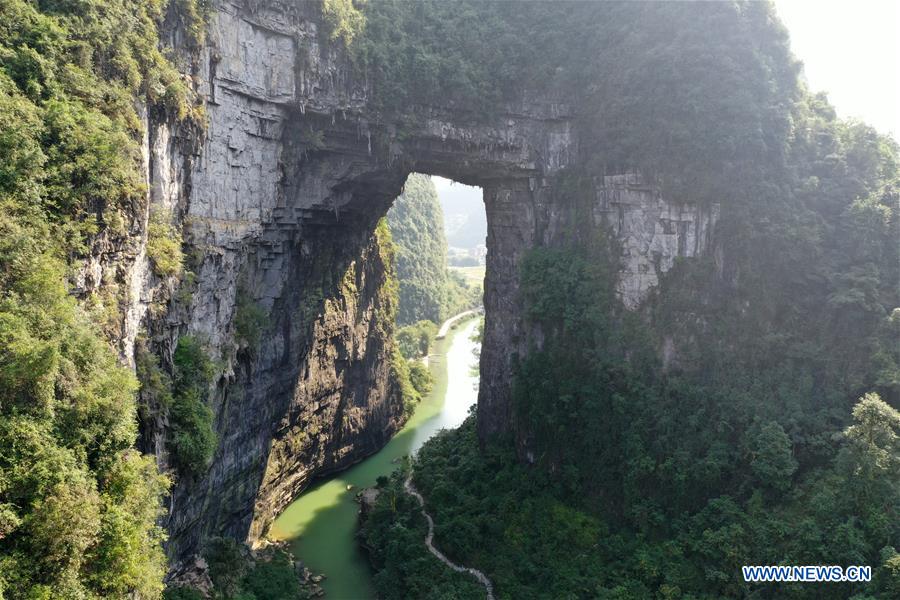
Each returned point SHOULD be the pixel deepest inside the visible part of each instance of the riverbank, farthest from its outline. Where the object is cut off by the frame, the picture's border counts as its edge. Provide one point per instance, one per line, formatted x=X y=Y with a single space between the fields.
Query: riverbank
x=320 y=525
x=449 y=323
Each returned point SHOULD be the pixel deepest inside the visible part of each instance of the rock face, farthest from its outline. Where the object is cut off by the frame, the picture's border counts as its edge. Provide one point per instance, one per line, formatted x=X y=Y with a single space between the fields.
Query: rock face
x=278 y=200
x=652 y=232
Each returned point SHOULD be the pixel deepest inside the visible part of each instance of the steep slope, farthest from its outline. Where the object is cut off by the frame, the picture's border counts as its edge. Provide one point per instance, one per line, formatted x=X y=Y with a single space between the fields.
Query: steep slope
x=79 y=506
x=664 y=206
x=417 y=226
x=428 y=291
x=273 y=204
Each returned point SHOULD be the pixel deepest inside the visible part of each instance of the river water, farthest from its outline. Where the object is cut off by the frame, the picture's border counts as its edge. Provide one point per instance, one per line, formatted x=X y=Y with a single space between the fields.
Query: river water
x=321 y=524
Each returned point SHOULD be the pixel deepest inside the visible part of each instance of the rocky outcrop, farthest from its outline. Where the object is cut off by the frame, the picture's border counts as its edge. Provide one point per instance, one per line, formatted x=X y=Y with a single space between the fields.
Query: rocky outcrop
x=277 y=201
x=652 y=231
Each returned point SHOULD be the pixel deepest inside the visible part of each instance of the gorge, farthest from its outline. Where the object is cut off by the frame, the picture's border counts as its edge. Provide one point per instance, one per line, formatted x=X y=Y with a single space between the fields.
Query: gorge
x=281 y=196
x=690 y=349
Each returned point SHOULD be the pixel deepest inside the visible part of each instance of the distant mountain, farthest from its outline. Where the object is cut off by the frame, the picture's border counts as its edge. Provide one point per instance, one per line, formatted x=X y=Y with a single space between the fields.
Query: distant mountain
x=421 y=259
x=465 y=224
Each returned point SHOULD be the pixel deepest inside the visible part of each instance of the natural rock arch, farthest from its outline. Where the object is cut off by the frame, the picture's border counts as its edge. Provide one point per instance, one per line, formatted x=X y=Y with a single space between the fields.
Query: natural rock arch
x=280 y=203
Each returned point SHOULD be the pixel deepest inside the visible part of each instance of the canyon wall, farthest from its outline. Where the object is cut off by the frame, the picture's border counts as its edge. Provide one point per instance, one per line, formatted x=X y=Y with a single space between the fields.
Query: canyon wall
x=278 y=200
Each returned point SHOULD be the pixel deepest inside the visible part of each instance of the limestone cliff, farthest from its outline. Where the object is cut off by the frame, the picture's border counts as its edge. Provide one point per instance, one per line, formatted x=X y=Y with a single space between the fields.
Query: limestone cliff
x=278 y=199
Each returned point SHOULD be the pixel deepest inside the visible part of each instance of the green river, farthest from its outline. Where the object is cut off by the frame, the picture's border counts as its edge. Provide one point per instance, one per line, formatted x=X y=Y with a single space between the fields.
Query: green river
x=321 y=524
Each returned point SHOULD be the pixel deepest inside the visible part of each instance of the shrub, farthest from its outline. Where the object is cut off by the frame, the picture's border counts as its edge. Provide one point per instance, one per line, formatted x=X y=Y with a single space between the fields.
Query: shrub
x=182 y=593
x=409 y=396
x=273 y=579
x=415 y=340
x=420 y=378
x=76 y=503
x=227 y=565
x=192 y=439
x=249 y=320
x=343 y=19
x=156 y=385
x=164 y=245
x=78 y=506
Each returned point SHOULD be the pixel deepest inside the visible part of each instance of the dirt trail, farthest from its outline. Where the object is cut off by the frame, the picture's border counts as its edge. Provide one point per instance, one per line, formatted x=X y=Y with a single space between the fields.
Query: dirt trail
x=429 y=542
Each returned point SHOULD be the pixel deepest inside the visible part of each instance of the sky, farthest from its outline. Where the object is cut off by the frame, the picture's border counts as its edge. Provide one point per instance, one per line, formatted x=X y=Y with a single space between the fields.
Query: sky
x=850 y=50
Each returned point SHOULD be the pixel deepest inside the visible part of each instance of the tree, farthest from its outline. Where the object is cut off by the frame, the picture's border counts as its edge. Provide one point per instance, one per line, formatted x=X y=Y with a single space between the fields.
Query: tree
x=870 y=458
x=772 y=460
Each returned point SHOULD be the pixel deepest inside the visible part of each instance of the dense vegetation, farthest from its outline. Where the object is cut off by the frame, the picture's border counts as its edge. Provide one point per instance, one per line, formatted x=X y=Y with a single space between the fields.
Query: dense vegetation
x=404 y=374
x=415 y=340
x=536 y=537
x=427 y=290
x=633 y=69
x=393 y=530
x=769 y=436
x=237 y=575
x=191 y=439
x=78 y=505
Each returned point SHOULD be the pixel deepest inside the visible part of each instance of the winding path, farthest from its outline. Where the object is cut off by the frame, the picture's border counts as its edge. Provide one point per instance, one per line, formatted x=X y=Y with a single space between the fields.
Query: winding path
x=429 y=542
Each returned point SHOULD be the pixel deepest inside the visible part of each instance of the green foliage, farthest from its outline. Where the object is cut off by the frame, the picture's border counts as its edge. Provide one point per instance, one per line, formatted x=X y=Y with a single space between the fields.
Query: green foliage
x=227 y=566
x=653 y=88
x=394 y=532
x=428 y=291
x=415 y=340
x=182 y=593
x=344 y=20
x=535 y=539
x=78 y=507
x=489 y=513
x=417 y=228
x=772 y=459
x=740 y=450
x=164 y=245
x=273 y=579
x=460 y=295
x=463 y=261
x=193 y=15
x=388 y=302
x=237 y=574
x=421 y=378
x=249 y=320
x=155 y=383
x=400 y=374
x=870 y=461
x=389 y=290
x=70 y=71
x=439 y=51
x=192 y=437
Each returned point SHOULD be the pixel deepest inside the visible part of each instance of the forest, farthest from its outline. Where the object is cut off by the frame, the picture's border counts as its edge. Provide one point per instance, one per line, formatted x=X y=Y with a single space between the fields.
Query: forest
x=771 y=437
x=80 y=508
x=746 y=414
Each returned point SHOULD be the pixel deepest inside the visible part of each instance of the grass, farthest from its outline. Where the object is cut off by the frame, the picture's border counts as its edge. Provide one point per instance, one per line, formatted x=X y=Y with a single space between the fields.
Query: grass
x=472 y=275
